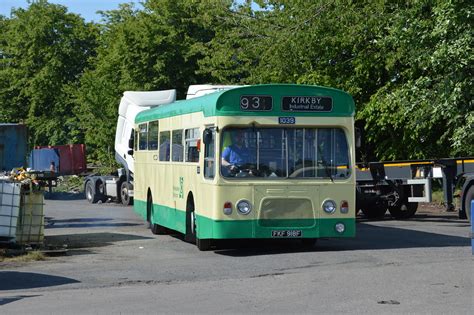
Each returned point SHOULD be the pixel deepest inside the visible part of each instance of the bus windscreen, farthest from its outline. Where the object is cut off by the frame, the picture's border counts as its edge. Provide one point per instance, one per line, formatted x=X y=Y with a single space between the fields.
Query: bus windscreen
x=275 y=153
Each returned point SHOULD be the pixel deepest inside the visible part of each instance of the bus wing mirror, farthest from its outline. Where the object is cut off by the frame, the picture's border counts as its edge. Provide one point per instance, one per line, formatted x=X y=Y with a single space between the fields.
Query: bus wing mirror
x=131 y=142
x=358 y=138
x=207 y=137
x=130 y=152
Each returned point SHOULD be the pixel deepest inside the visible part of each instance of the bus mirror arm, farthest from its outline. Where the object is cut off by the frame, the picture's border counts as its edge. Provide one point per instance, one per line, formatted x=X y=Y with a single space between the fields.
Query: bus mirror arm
x=207 y=137
x=358 y=137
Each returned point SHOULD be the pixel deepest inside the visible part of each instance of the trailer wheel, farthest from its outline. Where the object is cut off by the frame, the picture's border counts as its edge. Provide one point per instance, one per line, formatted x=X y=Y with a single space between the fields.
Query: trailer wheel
x=468 y=198
x=404 y=211
x=124 y=194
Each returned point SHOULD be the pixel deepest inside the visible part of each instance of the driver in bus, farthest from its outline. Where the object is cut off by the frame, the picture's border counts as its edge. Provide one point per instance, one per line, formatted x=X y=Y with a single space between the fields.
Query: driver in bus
x=236 y=155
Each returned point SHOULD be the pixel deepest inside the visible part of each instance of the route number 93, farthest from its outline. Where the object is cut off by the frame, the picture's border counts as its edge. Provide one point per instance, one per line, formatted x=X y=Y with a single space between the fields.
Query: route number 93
x=255 y=102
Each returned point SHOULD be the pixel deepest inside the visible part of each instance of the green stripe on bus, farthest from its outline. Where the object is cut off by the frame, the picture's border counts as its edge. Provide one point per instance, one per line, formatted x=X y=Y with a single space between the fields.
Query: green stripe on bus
x=227 y=103
x=233 y=229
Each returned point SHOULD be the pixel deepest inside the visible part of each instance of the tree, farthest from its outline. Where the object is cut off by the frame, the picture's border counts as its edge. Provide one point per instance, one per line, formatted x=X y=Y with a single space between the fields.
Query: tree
x=44 y=51
x=148 y=49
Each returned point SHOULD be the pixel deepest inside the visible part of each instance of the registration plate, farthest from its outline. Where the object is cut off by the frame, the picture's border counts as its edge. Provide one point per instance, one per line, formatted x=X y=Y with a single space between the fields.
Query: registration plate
x=287 y=233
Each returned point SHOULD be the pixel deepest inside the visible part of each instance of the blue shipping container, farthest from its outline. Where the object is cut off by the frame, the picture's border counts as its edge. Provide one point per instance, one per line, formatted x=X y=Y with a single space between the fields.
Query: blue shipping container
x=13 y=146
x=41 y=159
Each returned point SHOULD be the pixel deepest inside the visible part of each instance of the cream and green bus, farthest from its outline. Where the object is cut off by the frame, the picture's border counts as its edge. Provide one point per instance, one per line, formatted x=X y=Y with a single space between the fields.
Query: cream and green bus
x=263 y=161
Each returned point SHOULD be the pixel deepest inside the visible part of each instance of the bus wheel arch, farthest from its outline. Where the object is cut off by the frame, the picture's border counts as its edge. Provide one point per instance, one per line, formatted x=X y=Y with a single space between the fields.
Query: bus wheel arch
x=154 y=227
x=190 y=234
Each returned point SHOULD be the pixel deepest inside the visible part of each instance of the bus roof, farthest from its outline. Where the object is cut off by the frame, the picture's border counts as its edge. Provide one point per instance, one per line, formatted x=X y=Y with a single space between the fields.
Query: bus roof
x=227 y=102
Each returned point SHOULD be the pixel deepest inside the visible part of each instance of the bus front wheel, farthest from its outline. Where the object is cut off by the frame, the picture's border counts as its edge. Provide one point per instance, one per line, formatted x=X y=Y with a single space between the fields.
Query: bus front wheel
x=203 y=244
x=155 y=228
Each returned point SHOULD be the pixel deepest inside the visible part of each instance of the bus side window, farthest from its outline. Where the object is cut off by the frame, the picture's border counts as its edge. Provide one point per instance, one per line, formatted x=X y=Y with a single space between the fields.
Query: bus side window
x=209 y=153
x=153 y=135
x=143 y=136
x=192 y=150
x=164 y=146
x=177 y=146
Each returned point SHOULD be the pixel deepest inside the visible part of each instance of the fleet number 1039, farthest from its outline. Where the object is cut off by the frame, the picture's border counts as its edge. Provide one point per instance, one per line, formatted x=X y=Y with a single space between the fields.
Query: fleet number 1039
x=286 y=120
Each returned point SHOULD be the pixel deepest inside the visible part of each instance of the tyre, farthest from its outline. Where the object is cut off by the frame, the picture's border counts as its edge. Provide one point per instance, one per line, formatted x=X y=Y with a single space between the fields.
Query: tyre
x=190 y=235
x=191 y=230
x=468 y=198
x=155 y=228
x=404 y=211
x=374 y=211
x=204 y=244
x=91 y=194
x=124 y=194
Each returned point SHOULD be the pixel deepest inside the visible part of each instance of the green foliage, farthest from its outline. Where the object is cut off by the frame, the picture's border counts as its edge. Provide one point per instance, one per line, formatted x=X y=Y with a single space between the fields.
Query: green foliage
x=408 y=64
x=150 y=49
x=43 y=51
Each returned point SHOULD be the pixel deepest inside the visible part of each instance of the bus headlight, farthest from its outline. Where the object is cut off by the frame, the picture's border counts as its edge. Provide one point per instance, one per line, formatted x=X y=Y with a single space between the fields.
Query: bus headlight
x=340 y=227
x=329 y=206
x=244 y=207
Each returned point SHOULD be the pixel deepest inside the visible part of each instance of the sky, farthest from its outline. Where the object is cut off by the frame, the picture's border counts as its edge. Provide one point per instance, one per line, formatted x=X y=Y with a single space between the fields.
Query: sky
x=86 y=8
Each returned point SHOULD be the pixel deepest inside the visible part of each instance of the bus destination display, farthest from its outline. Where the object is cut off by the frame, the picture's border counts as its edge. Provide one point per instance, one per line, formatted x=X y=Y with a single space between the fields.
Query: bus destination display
x=307 y=103
x=256 y=102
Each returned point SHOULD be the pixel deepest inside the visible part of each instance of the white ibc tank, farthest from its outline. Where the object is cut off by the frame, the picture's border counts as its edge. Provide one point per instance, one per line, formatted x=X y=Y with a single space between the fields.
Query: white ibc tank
x=9 y=210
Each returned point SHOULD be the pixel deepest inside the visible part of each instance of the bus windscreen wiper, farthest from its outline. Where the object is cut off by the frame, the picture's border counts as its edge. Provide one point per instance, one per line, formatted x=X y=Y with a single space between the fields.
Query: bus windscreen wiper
x=326 y=169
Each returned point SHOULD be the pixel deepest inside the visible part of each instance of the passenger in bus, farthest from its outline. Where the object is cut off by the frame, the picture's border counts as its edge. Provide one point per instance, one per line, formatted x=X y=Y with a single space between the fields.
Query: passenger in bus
x=236 y=155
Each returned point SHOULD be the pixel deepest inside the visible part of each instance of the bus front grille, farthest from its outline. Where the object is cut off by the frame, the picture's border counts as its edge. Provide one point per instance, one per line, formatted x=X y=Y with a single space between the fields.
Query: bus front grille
x=291 y=212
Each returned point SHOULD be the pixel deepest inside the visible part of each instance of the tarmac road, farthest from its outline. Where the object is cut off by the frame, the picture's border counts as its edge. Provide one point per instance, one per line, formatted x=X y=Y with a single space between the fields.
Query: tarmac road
x=115 y=265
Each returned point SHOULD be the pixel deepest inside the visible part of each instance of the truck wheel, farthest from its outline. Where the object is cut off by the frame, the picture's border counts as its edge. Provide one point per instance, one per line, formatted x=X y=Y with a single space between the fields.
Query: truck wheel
x=404 y=211
x=124 y=194
x=91 y=195
x=468 y=198
x=374 y=211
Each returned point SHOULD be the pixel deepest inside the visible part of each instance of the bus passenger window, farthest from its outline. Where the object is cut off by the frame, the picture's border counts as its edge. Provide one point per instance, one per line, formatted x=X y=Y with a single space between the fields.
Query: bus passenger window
x=153 y=135
x=164 y=146
x=209 y=153
x=142 y=138
x=191 y=145
x=177 y=148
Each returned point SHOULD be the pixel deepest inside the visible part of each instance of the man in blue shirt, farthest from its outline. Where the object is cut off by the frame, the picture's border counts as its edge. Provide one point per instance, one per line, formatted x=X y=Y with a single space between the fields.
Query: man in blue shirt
x=236 y=154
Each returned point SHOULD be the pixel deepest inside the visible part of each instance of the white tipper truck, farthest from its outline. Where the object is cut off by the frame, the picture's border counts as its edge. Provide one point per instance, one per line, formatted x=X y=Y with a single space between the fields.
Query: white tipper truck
x=119 y=185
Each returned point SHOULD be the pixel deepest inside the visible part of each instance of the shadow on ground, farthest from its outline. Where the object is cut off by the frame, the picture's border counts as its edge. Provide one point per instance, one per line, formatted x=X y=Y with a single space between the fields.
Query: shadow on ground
x=369 y=237
x=51 y=223
x=88 y=240
x=15 y=280
x=10 y=299
x=64 y=196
